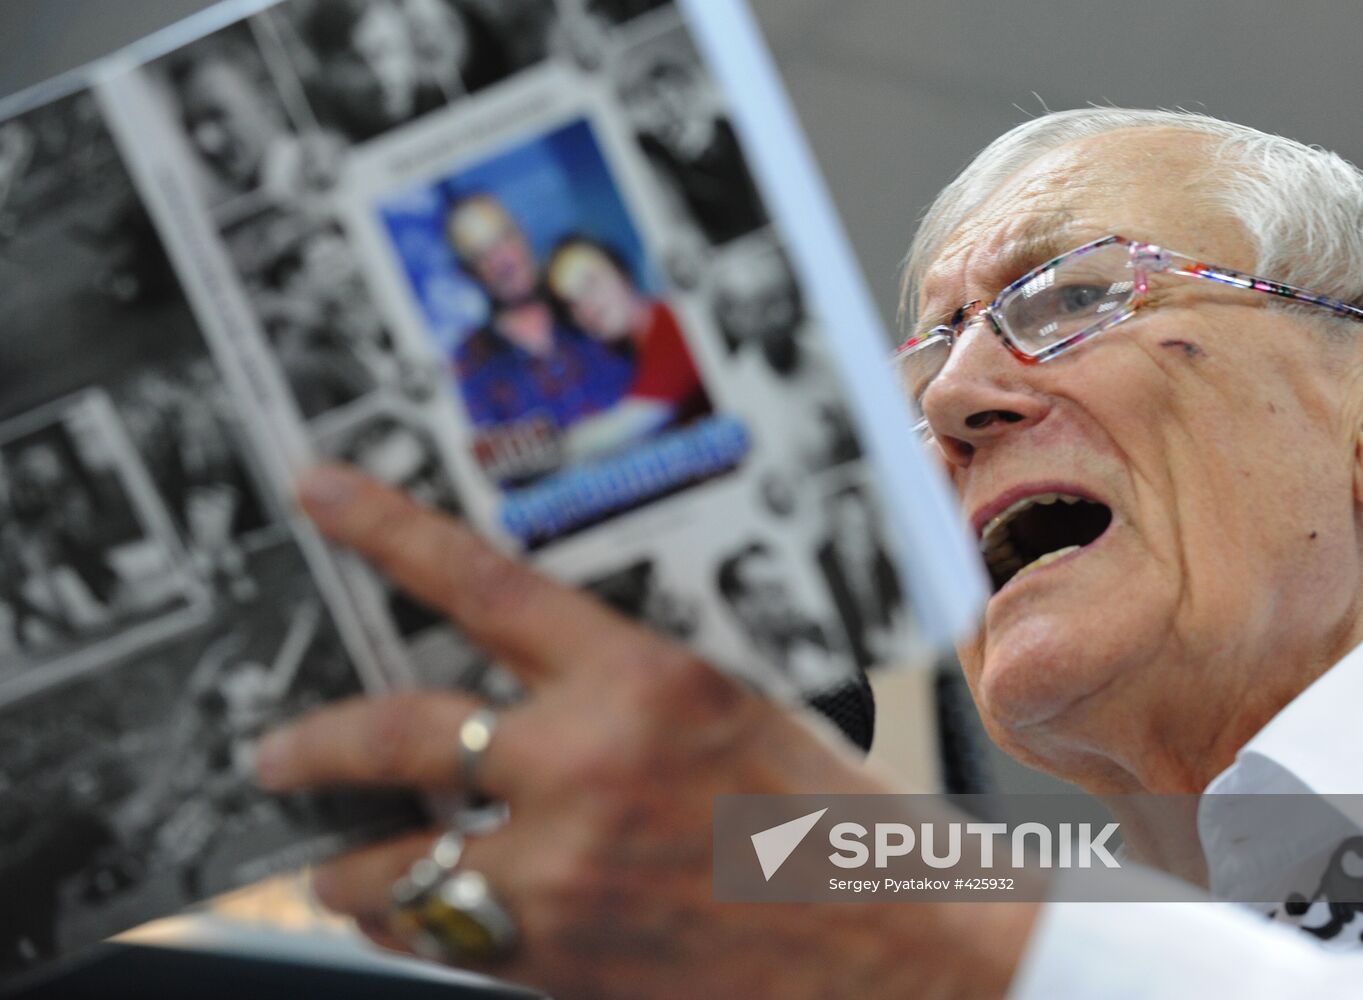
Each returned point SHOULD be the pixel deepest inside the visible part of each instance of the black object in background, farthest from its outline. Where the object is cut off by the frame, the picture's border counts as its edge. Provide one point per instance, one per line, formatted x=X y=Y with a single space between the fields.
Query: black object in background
x=962 y=744
x=143 y=973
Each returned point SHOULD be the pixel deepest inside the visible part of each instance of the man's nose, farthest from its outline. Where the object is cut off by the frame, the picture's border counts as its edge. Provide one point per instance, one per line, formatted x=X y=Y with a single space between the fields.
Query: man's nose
x=981 y=396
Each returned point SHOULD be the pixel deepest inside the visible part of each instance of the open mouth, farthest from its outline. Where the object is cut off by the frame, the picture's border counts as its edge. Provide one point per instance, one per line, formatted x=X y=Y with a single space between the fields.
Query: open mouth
x=1038 y=530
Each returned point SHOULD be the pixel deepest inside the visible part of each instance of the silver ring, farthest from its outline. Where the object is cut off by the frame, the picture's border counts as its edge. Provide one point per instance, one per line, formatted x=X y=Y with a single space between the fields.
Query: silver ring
x=475 y=735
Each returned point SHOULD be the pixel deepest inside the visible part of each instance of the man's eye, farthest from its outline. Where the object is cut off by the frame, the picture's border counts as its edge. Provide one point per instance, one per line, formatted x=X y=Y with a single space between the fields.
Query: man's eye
x=1057 y=305
x=1075 y=298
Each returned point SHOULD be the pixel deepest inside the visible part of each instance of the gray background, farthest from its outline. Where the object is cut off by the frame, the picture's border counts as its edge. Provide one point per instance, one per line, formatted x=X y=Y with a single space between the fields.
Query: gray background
x=896 y=95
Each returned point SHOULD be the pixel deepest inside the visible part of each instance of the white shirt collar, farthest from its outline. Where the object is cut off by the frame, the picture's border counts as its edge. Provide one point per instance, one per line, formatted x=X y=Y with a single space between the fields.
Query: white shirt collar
x=1307 y=750
x=1310 y=741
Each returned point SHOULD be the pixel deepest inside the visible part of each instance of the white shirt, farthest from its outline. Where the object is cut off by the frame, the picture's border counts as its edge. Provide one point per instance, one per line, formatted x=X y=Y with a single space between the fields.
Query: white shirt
x=1208 y=949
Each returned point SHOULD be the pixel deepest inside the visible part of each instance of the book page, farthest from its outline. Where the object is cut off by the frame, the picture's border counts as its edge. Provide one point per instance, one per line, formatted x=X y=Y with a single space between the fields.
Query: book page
x=157 y=614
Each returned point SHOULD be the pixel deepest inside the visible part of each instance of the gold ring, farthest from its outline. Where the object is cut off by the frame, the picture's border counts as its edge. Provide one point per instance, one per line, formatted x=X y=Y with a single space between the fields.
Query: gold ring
x=448 y=916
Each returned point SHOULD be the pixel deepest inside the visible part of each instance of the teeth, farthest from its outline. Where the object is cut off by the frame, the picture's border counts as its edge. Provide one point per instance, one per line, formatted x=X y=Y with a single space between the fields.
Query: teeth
x=996 y=540
x=995 y=528
x=1045 y=560
x=1000 y=554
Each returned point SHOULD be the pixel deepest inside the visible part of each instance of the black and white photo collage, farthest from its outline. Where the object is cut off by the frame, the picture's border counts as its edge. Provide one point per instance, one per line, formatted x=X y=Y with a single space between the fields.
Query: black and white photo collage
x=511 y=255
x=156 y=612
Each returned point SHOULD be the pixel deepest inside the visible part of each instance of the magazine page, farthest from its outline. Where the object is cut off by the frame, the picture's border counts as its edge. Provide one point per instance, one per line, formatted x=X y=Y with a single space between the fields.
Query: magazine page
x=156 y=611
x=560 y=267
x=515 y=258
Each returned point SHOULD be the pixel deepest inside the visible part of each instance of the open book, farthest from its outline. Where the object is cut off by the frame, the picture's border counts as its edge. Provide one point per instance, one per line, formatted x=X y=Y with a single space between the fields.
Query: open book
x=560 y=267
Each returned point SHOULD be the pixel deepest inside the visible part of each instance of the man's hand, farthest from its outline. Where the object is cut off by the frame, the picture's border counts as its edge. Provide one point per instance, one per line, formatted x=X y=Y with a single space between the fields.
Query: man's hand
x=610 y=768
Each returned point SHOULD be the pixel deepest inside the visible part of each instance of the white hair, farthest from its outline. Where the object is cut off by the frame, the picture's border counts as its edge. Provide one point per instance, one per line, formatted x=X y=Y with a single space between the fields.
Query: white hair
x=1302 y=206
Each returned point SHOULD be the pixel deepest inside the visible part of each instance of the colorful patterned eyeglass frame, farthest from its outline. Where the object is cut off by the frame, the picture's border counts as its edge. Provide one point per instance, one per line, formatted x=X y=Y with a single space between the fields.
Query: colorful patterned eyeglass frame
x=1146 y=259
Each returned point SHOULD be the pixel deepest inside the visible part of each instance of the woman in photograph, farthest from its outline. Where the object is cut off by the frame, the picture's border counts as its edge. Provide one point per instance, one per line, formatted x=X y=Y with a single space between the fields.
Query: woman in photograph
x=369 y=67
x=382 y=64
x=454 y=42
x=592 y=285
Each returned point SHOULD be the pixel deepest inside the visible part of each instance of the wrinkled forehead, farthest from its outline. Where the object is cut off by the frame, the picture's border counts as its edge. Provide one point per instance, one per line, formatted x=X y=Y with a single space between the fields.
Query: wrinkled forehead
x=1145 y=184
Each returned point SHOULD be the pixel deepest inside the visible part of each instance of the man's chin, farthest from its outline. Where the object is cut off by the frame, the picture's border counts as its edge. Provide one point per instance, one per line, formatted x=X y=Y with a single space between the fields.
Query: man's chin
x=1036 y=674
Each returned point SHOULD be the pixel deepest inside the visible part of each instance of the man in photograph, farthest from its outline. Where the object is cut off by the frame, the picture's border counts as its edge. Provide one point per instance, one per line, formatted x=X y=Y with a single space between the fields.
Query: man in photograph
x=756 y=587
x=637 y=592
x=759 y=306
x=399 y=451
x=59 y=515
x=693 y=146
x=18 y=612
x=181 y=425
x=525 y=362
x=761 y=314
x=860 y=576
x=236 y=124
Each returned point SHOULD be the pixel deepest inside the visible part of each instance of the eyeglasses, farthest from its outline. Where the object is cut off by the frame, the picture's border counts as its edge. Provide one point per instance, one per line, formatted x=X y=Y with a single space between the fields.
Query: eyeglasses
x=1071 y=299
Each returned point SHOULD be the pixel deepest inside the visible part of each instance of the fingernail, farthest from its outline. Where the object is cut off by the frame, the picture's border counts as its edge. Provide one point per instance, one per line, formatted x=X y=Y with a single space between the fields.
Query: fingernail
x=328 y=488
x=272 y=760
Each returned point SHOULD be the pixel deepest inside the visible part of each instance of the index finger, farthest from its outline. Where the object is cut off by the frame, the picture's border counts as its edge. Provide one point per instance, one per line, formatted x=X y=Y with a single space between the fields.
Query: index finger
x=537 y=627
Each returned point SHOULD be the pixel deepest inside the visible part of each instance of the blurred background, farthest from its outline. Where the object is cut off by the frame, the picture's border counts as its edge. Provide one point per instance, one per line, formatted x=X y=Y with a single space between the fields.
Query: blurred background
x=896 y=95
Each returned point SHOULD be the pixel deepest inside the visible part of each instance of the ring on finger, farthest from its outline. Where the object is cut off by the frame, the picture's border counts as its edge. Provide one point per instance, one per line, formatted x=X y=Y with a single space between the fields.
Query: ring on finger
x=475 y=736
x=427 y=872
x=451 y=916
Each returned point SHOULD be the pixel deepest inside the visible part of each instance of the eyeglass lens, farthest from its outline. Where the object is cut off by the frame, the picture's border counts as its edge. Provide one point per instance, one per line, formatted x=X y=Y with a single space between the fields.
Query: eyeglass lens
x=1048 y=308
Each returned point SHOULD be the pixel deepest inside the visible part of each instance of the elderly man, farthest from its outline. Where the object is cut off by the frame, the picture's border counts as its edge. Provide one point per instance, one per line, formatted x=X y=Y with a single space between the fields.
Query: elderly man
x=1171 y=504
